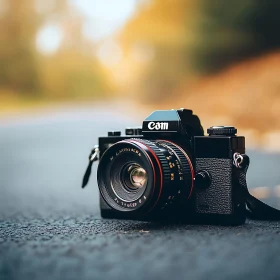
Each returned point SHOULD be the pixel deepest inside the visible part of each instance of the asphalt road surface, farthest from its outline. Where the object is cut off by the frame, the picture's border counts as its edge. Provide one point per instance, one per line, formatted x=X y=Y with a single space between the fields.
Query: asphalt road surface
x=51 y=229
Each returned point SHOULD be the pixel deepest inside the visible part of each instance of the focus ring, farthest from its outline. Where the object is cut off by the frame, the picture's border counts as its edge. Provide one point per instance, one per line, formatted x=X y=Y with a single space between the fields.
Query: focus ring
x=184 y=162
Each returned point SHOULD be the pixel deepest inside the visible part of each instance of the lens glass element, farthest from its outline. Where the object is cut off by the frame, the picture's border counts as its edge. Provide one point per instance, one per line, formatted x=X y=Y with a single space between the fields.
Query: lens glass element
x=138 y=176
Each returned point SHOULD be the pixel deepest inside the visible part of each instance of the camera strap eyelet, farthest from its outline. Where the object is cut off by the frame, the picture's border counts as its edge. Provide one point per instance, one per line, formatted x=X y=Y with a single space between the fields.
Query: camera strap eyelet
x=238 y=160
x=94 y=156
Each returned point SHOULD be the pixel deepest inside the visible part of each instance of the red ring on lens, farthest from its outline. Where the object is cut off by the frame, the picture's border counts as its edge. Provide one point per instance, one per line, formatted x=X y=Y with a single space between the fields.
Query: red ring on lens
x=143 y=146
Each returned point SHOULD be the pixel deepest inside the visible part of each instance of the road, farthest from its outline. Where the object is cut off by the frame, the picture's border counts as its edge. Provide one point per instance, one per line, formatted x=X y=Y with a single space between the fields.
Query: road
x=51 y=229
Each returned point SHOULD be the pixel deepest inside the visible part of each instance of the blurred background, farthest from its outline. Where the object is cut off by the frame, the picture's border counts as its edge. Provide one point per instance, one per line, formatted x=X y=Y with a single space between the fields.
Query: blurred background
x=71 y=70
x=219 y=58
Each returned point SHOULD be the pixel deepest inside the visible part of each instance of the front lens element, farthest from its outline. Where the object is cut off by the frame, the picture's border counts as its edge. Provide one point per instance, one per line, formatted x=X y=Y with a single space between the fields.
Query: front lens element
x=138 y=176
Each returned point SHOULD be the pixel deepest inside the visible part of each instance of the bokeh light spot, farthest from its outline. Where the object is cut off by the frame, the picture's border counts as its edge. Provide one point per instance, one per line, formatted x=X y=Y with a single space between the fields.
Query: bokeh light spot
x=49 y=38
x=4 y=6
x=103 y=18
x=110 y=53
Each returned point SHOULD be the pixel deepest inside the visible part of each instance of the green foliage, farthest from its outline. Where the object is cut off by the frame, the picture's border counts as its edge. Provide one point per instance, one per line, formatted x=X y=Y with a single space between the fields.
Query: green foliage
x=232 y=30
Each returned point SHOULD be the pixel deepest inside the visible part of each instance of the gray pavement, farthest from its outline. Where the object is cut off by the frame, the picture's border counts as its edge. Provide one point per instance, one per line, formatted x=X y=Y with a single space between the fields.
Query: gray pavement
x=51 y=229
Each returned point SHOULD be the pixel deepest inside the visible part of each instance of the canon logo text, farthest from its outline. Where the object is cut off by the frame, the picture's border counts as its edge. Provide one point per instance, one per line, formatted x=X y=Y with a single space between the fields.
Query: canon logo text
x=158 y=126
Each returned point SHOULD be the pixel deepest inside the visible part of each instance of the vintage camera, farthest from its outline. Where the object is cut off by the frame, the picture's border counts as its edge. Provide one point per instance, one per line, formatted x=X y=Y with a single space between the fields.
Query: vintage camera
x=168 y=169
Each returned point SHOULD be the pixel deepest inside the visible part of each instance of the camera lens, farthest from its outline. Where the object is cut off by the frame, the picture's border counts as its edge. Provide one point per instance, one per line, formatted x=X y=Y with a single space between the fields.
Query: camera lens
x=129 y=182
x=138 y=175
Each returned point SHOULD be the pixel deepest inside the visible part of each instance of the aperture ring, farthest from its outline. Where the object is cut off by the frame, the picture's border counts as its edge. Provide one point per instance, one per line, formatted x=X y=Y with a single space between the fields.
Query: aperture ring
x=178 y=187
x=185 y=161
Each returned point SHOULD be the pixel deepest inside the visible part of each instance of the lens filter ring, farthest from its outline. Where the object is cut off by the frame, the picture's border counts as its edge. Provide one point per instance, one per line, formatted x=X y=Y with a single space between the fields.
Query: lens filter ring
x=110 y=182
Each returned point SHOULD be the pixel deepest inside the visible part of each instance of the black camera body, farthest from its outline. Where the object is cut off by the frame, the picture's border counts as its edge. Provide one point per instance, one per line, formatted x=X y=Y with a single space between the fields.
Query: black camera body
x=168 y=170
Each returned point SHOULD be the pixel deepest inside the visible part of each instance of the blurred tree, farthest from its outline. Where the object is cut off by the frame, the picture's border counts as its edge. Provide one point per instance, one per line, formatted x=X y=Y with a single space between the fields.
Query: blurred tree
x=164 y=29
x=19 y=24
x=73 y=71
x=232 y=30
x=69 y=71
x=189 y=38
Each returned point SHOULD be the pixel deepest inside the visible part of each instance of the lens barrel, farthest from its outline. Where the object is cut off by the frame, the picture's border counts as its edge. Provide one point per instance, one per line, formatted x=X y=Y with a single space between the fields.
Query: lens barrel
x=138 y=175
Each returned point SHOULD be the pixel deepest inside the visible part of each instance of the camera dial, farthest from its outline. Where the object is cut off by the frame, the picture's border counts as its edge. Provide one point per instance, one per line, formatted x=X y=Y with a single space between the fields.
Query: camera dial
x=222 y=130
